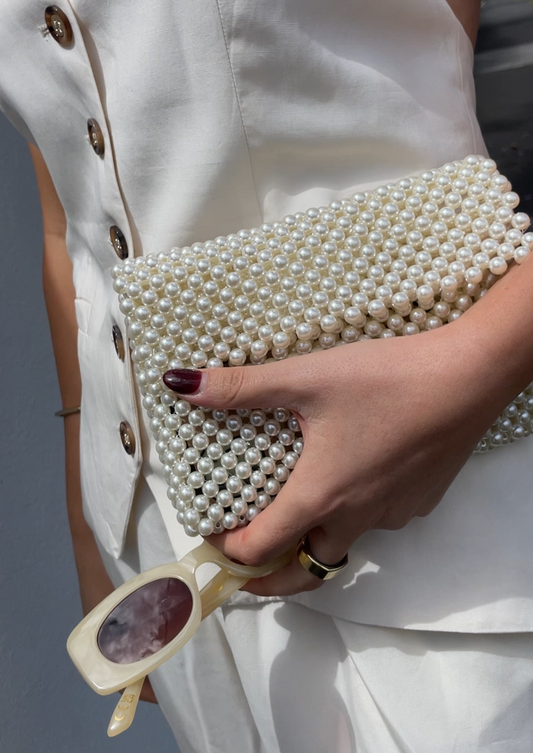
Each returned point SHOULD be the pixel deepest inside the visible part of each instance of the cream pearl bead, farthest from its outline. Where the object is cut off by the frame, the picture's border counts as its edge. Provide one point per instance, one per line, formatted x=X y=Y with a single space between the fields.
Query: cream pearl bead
x=201 y=503
x=190 y=530
x=498 y=266
x=249 y=493
x=192 y=517
x=521 y=254
x=234 y=485
x=229 y=520
x=252 y=456
x=272 y=487
x=527 y=240
x=239 y=507
x=263 y=501
x=215 y=512
x=243 y=470
x=206 y=527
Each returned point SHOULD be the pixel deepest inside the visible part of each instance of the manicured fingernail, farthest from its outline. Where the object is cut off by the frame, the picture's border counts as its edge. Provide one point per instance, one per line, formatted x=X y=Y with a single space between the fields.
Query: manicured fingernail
x=184 y=381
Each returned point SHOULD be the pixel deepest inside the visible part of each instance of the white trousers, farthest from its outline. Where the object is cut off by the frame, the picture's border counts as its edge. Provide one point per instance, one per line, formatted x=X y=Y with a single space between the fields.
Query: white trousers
x=278 y=677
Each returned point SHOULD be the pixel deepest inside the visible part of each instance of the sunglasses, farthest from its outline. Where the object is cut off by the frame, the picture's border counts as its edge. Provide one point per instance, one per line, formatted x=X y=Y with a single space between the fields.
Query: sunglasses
x=147 y=619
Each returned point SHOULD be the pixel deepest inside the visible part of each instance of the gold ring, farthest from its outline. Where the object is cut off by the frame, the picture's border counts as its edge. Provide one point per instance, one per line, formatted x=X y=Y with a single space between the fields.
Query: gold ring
x=322 y=571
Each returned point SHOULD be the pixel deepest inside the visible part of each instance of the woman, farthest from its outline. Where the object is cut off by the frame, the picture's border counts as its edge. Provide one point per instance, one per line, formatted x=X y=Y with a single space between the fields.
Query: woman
x=153 y=125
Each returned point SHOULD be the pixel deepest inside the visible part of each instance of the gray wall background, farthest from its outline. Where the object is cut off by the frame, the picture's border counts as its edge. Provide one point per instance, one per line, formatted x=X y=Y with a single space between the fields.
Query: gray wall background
x=44 y=705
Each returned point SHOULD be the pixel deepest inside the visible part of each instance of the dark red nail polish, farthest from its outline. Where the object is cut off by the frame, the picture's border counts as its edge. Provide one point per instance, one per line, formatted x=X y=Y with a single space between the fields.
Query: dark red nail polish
x=184 y=381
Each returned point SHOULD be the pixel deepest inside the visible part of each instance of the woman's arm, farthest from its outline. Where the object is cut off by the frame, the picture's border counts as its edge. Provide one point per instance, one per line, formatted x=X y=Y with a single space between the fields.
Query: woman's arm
x=59 y=296
x=467 y=11
x=94 y=581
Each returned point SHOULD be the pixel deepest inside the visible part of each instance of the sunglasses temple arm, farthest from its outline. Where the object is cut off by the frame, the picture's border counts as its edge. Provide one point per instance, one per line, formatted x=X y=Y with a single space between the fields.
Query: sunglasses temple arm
x=124 y=713
x=219 y=589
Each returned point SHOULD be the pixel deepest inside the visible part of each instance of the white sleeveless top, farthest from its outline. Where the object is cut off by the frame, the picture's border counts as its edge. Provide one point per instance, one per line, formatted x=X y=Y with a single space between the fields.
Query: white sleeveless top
x=218 y=115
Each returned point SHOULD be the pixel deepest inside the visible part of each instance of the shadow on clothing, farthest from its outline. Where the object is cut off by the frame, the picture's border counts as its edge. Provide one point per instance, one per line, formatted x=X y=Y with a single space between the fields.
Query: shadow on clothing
x=302 y=684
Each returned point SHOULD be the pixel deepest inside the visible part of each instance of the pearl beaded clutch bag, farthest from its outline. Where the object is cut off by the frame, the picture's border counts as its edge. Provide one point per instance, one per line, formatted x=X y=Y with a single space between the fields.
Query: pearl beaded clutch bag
x=403 y=258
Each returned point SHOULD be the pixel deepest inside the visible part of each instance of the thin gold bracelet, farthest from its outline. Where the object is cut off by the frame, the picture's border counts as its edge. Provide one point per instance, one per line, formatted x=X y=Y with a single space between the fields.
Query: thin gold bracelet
x=67 y=411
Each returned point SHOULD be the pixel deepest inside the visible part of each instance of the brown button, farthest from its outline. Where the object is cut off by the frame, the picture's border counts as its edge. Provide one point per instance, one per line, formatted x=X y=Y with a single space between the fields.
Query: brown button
x=118 y=342
x=127 y=437
x=119 y=242
x=58 y=25
x=96 y=137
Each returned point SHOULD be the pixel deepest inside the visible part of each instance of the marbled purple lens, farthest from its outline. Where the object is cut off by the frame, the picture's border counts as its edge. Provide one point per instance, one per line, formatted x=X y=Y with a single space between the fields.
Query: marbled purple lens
x=145 y=621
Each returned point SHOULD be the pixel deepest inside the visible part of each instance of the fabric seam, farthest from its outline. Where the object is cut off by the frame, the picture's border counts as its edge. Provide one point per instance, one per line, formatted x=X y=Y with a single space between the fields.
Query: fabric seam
x=232 y=72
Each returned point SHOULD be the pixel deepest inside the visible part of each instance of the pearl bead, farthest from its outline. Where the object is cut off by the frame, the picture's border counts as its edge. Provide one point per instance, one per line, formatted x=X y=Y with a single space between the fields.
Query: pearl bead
x=527 y=240
x=474 y=275
x=252 y=456
x=282 y=473
x=206 y=527
x=219 y=475
x=215 y=512
x=201 y=503
x=210 y=489
x=252 y=512
x=234 y=485
x=243 y=470
x=263 y=500
x=258 y=479
x=521 y=254
x=272 y=487
x=249 y=493
x=239 y=446
x=229 y=520
x=239 y=507
x=192 y=517
x=262 y=442
x=229 y=460
x=189 y=530
x=498 y=266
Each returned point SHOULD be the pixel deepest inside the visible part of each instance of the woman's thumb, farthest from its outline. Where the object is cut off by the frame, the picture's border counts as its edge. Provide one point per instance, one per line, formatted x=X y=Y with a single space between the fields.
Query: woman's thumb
x=268 y=386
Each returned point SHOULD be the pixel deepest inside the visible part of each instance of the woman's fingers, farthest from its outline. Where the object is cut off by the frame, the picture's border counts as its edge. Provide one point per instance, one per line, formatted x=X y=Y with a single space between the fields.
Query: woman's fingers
x=326 y=547
x=279 y=527
x=291 y=579
x=329 y=544
x=306 y=504
x=269 y=386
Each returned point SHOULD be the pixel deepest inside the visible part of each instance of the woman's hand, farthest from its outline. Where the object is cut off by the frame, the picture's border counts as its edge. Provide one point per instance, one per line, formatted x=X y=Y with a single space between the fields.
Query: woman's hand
x=387 y=426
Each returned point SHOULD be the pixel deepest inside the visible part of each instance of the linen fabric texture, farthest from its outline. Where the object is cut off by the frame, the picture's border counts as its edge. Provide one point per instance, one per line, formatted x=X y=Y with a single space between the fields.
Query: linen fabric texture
x=282 y=677
x=218 y=116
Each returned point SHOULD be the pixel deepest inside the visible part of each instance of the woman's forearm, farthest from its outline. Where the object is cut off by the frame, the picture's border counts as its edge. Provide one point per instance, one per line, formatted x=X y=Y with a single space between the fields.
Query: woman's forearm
x=59 y=294
x=467 y=12
x=498 y=331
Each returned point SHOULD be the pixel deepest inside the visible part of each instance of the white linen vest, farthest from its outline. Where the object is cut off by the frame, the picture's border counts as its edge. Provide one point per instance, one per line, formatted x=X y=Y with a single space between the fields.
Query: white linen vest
x=217 y=115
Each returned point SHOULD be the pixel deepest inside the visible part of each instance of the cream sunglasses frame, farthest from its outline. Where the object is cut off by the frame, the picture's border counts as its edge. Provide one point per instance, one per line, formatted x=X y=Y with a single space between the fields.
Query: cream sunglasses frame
x=105 y=676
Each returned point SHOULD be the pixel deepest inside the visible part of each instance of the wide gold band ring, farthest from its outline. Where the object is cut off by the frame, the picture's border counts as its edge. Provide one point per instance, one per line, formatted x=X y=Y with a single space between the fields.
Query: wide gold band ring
x=322 y=571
